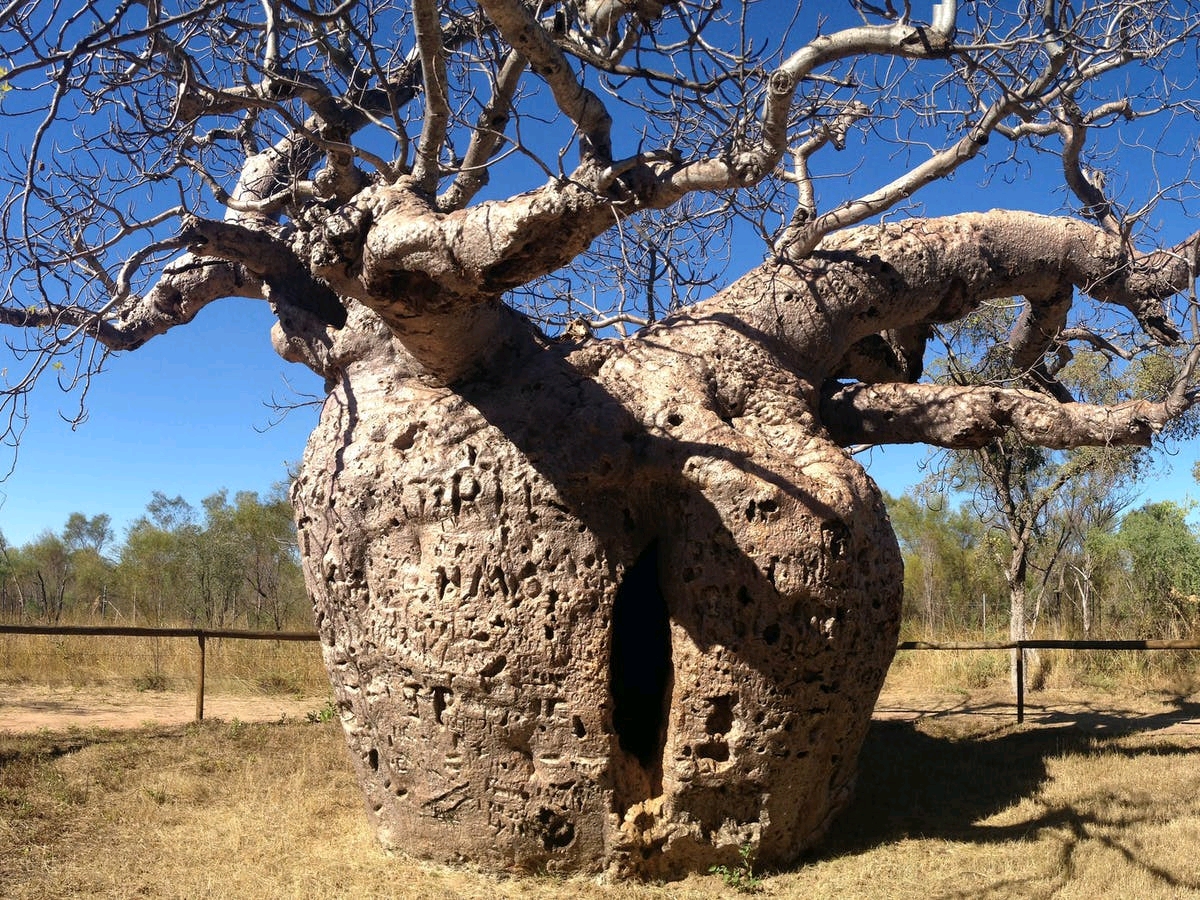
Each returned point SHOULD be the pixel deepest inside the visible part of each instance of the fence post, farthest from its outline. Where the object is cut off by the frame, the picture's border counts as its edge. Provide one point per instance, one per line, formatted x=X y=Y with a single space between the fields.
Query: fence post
x=200 y=682
x=1020 y=683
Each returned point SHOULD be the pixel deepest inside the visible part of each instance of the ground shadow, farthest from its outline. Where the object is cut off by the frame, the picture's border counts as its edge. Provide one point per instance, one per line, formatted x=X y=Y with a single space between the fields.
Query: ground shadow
x=919 y=779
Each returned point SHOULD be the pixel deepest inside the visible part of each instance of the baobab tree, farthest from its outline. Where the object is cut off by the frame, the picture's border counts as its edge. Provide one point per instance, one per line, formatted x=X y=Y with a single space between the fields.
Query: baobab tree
x=608 y=593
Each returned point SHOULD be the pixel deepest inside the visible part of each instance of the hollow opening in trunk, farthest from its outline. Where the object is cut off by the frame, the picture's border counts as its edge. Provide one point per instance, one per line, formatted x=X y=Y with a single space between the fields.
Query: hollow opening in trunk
x=640 y=663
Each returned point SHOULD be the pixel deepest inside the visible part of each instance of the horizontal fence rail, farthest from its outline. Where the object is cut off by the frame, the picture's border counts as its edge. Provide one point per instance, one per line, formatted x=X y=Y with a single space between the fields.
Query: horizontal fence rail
x=200 y=635
x=1021 y=646
x=140 y=631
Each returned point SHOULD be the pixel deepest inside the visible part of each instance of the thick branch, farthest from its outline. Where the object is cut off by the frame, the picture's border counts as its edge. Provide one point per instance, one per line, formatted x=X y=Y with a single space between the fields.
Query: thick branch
x=879 y=278
x=271 y=262
x=486 y=136
x=437 y=103
x=972 y=417
x=187 y=285
x=475 y=254
x=1040 y=323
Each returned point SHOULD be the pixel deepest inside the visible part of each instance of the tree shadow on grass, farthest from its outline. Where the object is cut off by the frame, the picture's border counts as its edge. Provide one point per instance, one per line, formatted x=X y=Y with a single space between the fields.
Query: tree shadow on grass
x=927 y=779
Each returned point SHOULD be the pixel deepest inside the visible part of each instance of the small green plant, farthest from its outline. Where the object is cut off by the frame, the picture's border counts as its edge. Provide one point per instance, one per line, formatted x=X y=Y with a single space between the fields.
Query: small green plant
x=324 y=714
x=740 y=877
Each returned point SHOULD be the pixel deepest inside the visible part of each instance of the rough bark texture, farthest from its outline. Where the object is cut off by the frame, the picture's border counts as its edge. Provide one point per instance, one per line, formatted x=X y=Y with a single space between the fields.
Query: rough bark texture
x=612 y=605
x=621 y=607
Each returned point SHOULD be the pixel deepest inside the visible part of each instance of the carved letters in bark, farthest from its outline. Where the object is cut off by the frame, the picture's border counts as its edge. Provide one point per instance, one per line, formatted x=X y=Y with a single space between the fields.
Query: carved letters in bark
x=625 y=610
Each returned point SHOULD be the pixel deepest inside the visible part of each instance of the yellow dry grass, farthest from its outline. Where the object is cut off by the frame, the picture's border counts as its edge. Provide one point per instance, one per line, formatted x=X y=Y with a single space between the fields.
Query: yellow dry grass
x=950 y=807
x=1102 y=671
x=231 y=666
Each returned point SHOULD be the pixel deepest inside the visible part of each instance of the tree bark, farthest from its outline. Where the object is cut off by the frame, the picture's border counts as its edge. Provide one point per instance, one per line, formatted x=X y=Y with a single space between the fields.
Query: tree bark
x=625 y=607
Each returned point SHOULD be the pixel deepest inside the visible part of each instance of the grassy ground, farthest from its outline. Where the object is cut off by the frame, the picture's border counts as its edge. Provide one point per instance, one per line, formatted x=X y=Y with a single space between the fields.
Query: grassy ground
x=266 y=811
x=955 y=805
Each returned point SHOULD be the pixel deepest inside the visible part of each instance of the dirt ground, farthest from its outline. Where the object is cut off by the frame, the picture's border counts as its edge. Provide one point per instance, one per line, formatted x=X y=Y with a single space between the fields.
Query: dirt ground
x=26 y=708
x=1086 y=710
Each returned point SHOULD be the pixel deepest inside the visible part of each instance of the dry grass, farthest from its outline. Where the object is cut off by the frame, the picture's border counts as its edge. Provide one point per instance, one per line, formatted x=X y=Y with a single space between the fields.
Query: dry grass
x=231 y=666
x=962 y=671
x=265 y=811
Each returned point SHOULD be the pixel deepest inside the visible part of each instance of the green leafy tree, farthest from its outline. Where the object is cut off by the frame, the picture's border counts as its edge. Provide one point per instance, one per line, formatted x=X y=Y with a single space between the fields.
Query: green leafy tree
x=270 y=563
x=48 y=570
x=1164 y=554
x=153 y=569
x=949 y=572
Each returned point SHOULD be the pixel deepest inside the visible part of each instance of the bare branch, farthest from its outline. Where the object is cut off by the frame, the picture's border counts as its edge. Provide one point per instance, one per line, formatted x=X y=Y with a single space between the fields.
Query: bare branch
x=437 y=104
x=527 y=37
x=748 y=165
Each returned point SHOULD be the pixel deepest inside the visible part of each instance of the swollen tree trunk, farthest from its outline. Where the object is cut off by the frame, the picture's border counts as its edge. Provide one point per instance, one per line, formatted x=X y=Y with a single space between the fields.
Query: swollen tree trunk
x=625 y=607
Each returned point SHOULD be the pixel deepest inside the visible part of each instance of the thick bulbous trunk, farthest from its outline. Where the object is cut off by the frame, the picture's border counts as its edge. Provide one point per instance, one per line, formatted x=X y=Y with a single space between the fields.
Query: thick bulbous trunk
x=621 y=606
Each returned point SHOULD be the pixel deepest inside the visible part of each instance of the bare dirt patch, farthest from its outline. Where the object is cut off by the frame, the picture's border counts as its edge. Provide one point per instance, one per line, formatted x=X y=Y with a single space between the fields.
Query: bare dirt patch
x=26 y=708
x=1089 y=711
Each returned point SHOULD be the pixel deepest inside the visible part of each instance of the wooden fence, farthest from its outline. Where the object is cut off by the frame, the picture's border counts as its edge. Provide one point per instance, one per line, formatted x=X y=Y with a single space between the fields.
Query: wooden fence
x=200 y=635
x=1022 y=646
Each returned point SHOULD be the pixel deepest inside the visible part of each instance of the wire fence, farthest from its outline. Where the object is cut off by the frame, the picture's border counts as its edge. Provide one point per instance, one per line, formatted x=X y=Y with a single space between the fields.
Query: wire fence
x=1019 y=647
x=202 y=635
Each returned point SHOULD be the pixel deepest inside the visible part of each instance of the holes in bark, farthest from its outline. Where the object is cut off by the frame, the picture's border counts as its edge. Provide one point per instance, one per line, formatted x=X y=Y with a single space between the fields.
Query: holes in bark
x=717 y=751
x=557 y=831
x=771 y=633
x=674 y=420
x=763 y=510
x=440 y=702
x=577 y=727
x=373 y=759
x=640 y=663
x=836 y=536
x=720 y=715
x=494 y=668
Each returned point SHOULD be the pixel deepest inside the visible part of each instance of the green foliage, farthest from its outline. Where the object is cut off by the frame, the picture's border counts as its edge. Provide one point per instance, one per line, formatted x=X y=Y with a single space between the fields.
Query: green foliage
x=1164 y=554
x=1136 y=576
x=949 y=568
x=325 y=714
x=740 y=877
x=227 y=564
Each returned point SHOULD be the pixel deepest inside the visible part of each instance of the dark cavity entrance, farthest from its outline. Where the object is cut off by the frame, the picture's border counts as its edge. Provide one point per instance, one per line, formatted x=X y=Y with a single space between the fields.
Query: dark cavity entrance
x=640 y=664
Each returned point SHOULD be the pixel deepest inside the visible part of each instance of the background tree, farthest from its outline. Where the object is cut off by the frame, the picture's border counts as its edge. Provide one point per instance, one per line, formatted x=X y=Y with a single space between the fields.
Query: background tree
x=950 y=574
x=1045 y=501
x=604 y=603
x=1165 y=557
